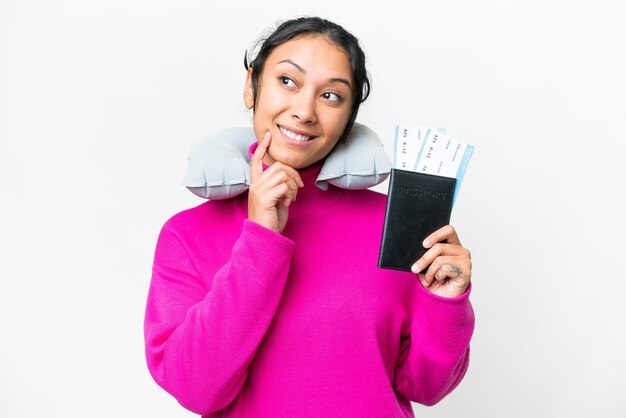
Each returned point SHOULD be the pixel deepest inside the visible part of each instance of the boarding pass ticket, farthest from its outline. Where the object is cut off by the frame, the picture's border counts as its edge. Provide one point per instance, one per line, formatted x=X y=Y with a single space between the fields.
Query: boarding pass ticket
x=431 y=151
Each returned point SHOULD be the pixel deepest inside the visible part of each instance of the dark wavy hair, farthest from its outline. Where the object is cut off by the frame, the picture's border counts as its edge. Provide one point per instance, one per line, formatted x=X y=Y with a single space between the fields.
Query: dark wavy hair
x=307 y=26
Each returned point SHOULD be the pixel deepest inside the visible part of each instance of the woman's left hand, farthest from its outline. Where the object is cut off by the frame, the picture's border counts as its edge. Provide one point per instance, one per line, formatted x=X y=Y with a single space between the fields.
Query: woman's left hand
x=451 y=269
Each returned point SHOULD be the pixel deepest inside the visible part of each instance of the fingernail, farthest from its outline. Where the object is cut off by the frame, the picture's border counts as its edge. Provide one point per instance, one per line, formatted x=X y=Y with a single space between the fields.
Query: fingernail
x=426 y=243
x=415 y=268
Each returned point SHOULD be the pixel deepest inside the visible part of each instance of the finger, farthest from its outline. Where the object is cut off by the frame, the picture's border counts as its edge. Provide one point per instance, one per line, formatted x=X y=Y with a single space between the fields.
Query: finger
x=276 y=186
x=285 y=193
x=291 y=172
x=291 y=193
x=256 y=161
x=438 y=250
x=446 y=267
x=273 y=178
x=446 y=233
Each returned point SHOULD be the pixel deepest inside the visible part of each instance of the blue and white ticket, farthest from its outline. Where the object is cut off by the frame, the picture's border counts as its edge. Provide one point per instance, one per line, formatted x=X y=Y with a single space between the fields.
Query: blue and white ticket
x=431 y=151
x=408 y=144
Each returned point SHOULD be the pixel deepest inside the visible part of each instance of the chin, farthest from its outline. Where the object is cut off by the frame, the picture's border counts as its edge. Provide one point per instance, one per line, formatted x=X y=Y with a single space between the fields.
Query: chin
x=297 y=164
x=290 y=160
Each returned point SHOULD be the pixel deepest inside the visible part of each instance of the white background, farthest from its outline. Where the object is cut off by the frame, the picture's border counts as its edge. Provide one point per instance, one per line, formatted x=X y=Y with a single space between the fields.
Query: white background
x=100 y=103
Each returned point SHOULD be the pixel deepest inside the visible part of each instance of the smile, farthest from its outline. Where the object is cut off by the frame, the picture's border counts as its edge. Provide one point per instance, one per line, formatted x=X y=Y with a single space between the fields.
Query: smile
x=293 y=135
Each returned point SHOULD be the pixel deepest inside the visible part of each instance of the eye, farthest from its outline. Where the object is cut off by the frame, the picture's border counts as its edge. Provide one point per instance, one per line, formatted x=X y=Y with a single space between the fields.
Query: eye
x=333 y=97
x=286 y=81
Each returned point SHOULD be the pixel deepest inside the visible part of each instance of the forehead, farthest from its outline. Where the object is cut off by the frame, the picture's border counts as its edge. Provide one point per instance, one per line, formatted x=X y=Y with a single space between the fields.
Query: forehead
x=317 y=55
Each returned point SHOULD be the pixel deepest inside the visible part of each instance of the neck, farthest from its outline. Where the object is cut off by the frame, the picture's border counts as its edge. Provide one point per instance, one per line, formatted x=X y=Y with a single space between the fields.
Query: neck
x=309 y=196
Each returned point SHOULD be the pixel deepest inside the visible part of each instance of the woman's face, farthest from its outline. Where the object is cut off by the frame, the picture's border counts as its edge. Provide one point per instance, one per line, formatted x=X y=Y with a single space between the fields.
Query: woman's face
x=304 y=100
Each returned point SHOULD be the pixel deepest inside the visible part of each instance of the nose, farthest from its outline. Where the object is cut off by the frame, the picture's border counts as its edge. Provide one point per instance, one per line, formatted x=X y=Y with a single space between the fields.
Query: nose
x=303 y=107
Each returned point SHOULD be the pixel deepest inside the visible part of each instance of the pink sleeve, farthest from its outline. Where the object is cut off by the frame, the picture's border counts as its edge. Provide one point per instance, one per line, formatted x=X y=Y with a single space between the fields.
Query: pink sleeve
x=435 y=356
x=199 y=341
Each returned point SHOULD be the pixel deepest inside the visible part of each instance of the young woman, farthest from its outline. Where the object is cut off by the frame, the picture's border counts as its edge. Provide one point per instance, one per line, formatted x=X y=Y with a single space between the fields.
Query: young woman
x=271 y=304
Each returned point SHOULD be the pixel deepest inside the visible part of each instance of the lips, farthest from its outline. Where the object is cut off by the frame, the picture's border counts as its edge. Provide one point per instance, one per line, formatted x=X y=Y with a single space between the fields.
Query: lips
x=296 y=136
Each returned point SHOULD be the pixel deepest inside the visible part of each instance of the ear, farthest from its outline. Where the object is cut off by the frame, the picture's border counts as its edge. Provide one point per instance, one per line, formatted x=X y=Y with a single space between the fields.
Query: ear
x=248 y=93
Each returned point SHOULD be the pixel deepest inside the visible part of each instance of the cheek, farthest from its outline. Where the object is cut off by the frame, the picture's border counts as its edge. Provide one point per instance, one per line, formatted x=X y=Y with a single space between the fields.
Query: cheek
x=271 y=96
x=335 y=124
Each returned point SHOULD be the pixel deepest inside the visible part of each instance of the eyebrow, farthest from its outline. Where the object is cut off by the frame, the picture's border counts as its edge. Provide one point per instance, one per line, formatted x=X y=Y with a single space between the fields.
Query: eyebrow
x=303 y=71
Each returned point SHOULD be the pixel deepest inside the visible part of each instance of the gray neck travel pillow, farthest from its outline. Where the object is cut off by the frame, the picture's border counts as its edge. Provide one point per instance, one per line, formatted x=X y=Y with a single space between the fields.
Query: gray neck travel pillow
x=219 y=165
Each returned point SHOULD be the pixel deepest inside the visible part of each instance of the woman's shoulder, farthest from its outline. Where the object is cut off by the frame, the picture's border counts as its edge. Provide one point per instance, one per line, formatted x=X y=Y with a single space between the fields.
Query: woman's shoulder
x=206 y=216
x=368 y=199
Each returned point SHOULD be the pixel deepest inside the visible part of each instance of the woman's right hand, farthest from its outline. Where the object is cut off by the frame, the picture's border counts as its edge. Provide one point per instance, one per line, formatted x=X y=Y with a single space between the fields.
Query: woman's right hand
x=271 y=191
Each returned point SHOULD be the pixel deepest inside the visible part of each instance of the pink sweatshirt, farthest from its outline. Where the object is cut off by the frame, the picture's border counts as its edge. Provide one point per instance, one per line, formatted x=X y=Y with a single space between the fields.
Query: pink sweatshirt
x=244 y=322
